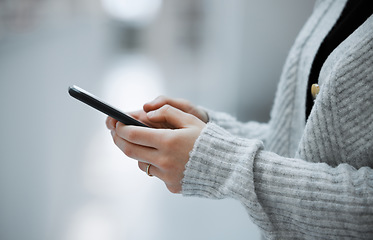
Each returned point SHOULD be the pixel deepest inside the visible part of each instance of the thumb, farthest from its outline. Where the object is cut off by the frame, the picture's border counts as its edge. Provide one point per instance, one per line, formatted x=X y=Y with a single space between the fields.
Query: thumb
x=170 y=116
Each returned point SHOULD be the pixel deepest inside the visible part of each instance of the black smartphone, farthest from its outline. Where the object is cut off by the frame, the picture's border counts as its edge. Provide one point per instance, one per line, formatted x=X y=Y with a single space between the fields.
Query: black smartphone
x=93 y=101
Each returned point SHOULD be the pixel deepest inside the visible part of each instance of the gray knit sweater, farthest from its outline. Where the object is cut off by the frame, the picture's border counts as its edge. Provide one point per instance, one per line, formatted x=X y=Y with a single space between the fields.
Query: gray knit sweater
x=300 y=179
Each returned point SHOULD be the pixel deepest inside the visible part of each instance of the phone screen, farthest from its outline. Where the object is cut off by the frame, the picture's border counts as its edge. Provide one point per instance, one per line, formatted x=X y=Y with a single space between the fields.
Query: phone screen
x=91 y=100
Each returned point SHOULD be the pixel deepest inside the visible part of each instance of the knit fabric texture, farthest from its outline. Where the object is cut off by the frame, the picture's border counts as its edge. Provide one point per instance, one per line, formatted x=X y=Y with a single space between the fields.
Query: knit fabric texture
x=298 y=179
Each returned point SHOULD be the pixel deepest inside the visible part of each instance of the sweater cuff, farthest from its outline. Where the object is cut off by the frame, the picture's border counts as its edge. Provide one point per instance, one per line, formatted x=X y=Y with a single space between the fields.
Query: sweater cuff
x=220 y=165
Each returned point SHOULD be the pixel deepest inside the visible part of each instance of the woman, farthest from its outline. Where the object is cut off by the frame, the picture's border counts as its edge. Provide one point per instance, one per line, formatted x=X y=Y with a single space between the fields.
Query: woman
x=307 y=173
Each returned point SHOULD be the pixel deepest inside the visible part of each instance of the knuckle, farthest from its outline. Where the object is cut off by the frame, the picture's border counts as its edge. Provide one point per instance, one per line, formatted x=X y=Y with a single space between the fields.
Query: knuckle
x=186 y=103
x=165 y=108
x=162 y=98
x=131 y=135
x=127 y=150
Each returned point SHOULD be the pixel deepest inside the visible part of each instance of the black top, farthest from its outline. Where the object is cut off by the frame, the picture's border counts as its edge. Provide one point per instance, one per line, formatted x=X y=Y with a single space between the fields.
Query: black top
x=353 y=15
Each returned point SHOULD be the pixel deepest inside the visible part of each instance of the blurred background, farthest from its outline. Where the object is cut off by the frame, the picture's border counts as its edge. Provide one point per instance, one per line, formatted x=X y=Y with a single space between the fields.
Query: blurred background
x=61 y=177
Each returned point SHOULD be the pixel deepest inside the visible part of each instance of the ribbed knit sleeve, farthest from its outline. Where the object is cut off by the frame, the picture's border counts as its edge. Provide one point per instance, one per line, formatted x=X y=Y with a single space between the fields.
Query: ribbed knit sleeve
x=287 y=198
x=313 y=200
x=221 y=166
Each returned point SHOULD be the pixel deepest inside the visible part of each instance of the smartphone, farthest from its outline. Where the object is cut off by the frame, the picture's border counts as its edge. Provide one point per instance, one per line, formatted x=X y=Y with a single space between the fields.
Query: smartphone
x=88 y=98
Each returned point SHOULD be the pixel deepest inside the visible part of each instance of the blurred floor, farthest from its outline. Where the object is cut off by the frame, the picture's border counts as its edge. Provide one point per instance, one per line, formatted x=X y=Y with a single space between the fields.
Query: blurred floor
x=61 y=177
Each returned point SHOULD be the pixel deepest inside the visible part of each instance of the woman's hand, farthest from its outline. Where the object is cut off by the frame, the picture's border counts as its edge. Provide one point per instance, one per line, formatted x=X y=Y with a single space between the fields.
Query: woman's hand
x=140 y=116
x=167 y=150
x=181 y=104
x=157 y=103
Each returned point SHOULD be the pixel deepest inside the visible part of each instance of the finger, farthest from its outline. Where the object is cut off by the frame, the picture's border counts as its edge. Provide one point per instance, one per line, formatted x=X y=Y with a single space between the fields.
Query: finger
x=173 y=116
x=148 y=137
x=137 y=152
x=140 y=115
x=110 y=123
x=160 y=101
x=182 y=104
x=153 y=170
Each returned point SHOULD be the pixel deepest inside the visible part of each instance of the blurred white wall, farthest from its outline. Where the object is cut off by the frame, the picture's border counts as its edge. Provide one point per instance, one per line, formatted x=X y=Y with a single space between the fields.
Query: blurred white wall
x=61 y=178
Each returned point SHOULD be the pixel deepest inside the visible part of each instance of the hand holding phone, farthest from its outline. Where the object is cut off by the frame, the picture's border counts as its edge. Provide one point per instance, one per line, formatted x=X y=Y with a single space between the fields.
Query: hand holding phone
x=91 y=100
